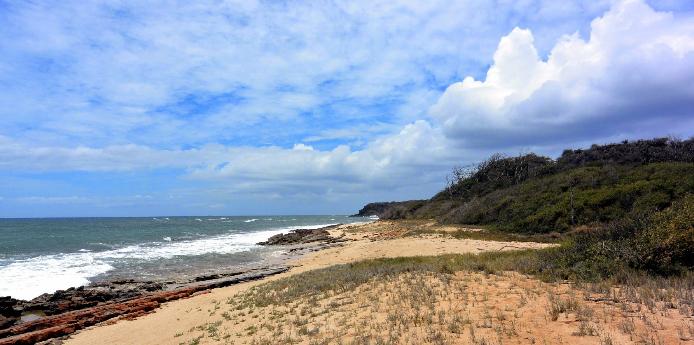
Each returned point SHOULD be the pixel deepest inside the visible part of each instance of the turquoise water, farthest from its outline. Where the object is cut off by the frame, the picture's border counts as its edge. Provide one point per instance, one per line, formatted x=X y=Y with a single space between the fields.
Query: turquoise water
x=43 y=255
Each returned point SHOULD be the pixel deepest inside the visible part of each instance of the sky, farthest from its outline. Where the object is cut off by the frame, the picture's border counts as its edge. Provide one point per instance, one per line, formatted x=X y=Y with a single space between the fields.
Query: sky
x=133 y=108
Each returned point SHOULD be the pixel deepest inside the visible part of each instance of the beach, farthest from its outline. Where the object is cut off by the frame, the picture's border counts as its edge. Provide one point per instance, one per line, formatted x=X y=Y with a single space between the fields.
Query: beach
x=368 y=241
x=44 y=255
x=347 y=172
x=412 y=306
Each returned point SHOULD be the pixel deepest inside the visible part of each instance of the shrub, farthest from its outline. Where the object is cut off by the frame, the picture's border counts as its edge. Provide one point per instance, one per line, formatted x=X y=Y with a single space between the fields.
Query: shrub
x=577 y=197
x=494 y=173
x=659 y=243
x=666 y=243
x=533 y=194
x=630 y=153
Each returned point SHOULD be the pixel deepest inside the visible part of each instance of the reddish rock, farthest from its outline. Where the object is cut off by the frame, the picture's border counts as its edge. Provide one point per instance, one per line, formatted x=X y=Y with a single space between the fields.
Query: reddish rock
x=66 y=323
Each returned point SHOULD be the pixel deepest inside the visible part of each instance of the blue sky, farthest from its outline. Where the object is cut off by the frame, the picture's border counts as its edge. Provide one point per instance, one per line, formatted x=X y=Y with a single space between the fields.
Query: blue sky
x=131 y=108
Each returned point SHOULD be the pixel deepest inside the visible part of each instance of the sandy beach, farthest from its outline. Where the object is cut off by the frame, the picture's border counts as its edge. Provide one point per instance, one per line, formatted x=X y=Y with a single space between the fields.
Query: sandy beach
x=409 y=308
x=368 y=241
x=347 y=172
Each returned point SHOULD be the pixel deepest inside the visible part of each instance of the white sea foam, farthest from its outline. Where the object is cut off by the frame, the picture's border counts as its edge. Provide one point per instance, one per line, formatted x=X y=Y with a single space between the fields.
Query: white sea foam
x=29 y=278
x=250 y=220
x=167 y=239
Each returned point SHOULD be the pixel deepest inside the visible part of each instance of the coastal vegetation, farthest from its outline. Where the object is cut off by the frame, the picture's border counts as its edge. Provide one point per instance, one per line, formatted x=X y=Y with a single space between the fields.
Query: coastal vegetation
x=534 y=194
x=616 y=266
x=614 y=207
x=622 y=216
x=451 y=299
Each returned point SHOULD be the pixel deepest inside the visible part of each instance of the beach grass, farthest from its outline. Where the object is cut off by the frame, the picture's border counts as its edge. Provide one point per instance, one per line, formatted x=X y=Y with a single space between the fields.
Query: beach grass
x=535 y=263
x=487 y=233
x=488 y=298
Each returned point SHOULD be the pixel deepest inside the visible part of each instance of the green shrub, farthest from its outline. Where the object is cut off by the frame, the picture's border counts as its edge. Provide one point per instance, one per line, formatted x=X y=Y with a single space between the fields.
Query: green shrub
x=576 y=197
x=629 y=153
x=660 y=243
x=666 y=243
x=496 y=172
x=534 y=194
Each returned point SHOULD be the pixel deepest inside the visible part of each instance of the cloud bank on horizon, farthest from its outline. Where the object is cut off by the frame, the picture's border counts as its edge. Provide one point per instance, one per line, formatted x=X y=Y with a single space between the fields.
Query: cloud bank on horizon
x=289 y=108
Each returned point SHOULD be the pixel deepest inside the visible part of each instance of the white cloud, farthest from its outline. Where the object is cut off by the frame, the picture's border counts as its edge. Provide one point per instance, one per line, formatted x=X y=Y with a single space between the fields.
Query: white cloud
x=102 y=110
x=353 y=132
x=636 y=70
x=105 y=73
x=385 y=162
x=53 y=200
x=16 y=156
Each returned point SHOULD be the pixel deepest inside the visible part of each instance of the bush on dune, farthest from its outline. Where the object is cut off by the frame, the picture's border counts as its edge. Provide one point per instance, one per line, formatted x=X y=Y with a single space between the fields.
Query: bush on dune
x=659 y=243
x=632 y=153
x=534 y=194
x=577 y=197
x=621 y=207
x=497 y=172
x=666 y=242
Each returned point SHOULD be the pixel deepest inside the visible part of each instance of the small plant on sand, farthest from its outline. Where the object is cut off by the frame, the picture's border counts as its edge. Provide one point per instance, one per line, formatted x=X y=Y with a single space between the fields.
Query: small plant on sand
x=585 y=329
x=557 y=306
x=606 y=339
x=627 y=326
x=250 y=330
x=196 y=340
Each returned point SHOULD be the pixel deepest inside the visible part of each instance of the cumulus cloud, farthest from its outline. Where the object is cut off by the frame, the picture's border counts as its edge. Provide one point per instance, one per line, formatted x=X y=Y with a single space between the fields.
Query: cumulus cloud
x=295 y=100
x=634 y=75
x=152 y=73
x=385 y=162
x=635 y=68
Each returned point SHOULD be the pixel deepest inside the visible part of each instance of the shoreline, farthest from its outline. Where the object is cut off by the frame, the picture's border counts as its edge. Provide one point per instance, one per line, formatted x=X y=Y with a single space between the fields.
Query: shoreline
x=346 y=243
x=64 y=312
x=363 y=241
x=97 y=250
x=409 y=282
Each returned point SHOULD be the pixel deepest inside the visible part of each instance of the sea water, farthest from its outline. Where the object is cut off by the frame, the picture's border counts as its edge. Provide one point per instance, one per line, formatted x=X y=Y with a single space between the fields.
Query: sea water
x=44 y=255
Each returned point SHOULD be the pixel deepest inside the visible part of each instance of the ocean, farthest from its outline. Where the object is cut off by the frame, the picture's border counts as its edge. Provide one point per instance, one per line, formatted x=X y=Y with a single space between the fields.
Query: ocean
x=44 y=255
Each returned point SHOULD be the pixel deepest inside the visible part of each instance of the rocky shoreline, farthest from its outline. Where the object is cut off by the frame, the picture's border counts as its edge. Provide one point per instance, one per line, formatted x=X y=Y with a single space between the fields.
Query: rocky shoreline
x=64 y=312
x=303 y=236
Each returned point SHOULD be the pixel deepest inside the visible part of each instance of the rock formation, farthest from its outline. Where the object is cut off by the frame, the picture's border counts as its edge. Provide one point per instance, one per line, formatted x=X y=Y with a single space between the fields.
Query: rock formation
x=76 y=308
x=301 y=236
